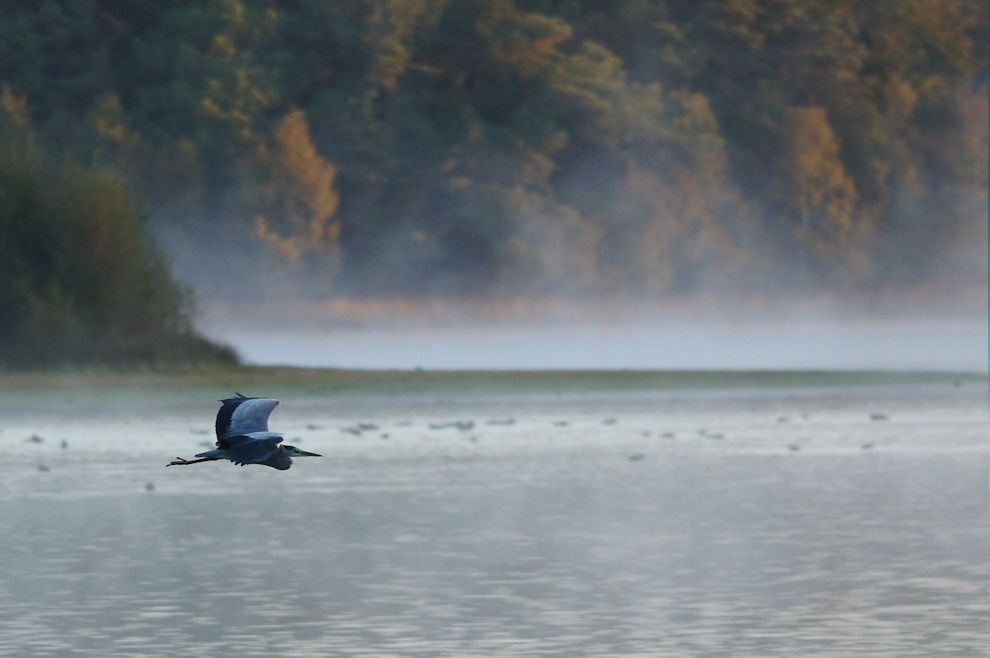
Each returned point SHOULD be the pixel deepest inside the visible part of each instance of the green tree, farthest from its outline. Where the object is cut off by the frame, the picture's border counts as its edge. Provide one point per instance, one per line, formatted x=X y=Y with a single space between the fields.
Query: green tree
x=82 y=284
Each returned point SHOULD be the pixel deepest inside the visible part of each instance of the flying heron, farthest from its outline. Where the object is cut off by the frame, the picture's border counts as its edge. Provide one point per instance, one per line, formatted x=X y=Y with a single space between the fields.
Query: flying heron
x=243 y=436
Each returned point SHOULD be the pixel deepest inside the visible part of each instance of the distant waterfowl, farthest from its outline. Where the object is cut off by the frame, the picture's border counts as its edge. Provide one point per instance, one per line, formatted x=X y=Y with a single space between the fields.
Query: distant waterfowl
x=243 y=436
x=462 y=425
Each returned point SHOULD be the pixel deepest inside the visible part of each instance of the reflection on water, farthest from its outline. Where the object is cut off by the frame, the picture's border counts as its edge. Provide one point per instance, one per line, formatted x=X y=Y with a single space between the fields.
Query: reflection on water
x=530 y=538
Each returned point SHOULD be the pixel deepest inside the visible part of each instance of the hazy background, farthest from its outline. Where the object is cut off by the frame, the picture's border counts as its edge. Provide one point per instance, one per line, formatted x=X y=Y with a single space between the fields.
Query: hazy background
x=507 y=184
x=743 y=183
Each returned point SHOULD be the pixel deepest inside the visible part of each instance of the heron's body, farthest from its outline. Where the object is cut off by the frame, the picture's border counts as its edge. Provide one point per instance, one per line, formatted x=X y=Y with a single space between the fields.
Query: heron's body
x=243 y=436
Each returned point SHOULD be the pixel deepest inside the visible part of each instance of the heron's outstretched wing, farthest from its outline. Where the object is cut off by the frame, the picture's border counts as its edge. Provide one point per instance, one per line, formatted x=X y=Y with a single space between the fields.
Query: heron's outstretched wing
x=252 y=449
x=243 y=415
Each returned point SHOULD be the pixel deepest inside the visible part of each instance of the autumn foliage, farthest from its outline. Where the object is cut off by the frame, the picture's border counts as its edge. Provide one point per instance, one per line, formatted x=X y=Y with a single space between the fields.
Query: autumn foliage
x=526 y=146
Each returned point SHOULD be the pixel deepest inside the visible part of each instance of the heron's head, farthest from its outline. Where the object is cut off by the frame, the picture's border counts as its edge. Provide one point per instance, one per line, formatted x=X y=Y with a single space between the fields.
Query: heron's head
x=296 y=452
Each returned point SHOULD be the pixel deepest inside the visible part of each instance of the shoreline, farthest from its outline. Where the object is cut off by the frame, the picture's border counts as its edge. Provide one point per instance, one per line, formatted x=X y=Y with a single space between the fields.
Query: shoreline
x=274 y=379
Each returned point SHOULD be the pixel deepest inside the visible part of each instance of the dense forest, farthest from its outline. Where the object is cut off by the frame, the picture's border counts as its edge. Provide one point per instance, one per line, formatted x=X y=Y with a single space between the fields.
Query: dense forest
x=524 y=147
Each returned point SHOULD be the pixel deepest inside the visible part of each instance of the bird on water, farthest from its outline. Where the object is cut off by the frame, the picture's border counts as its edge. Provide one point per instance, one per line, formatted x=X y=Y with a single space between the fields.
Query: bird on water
x=243 y=436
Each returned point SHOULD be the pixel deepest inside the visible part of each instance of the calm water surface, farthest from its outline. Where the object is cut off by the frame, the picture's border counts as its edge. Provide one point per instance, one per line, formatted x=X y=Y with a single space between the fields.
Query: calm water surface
x=706 y=523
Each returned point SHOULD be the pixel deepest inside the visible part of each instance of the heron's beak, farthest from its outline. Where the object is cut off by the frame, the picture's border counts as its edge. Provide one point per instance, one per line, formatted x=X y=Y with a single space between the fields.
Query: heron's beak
x=303 y=453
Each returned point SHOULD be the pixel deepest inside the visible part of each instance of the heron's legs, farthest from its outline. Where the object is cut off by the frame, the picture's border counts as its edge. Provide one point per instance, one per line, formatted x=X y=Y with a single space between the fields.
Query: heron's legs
x=179 y=461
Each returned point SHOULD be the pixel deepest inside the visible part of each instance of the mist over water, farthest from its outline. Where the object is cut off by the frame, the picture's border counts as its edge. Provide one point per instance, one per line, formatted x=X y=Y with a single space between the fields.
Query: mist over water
x=273 y=314
x=809 y=341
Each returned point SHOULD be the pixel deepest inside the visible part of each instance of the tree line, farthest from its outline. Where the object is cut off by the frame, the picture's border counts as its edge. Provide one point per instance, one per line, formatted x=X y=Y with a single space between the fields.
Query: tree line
x=383 y=147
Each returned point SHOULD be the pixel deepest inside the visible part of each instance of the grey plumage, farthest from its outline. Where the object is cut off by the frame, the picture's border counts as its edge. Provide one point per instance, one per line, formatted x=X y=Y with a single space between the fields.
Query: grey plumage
x=243 y=436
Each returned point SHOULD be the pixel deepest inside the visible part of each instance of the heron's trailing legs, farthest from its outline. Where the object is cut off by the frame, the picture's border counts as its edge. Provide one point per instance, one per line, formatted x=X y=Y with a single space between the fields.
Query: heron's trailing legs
x=179 y=461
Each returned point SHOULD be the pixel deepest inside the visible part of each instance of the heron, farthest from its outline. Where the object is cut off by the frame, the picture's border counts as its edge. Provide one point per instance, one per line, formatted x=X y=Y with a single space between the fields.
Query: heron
x=243 y=436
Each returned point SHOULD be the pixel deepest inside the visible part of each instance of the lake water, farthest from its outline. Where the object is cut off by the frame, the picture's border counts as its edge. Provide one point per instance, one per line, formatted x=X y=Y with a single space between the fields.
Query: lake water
x=824 y=521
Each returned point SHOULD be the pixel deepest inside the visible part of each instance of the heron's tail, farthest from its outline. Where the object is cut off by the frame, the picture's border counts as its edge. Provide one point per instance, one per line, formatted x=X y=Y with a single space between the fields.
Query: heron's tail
x=211 y=454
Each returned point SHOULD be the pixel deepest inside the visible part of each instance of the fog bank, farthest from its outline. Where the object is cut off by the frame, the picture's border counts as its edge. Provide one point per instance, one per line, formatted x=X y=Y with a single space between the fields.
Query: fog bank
x=746 y=342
